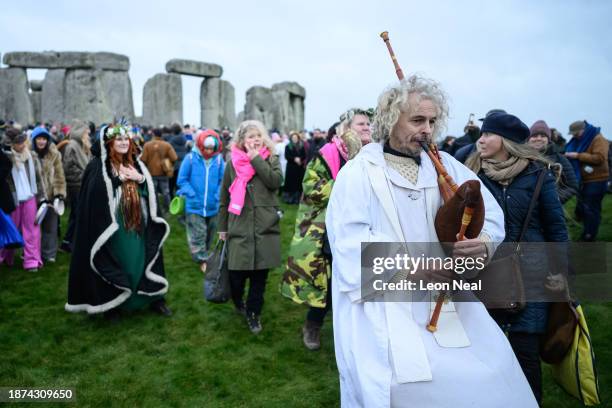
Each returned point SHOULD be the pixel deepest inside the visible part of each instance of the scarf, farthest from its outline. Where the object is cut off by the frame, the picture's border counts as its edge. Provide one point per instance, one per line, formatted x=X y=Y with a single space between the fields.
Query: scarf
x=581 y=145
x=504 y=171
x=244 y=173
x=341 y=146
x=19 y=161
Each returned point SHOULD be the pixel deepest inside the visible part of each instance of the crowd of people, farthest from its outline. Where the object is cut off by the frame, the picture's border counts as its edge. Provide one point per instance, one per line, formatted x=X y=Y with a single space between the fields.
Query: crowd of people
x=118 y=182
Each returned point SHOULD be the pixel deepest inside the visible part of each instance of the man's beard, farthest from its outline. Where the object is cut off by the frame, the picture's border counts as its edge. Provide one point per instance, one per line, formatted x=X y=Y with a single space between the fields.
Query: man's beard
x=409 y=151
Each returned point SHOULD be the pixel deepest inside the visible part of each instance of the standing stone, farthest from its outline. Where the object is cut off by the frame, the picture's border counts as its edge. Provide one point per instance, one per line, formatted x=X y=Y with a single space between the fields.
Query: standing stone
x=288 y=106
x=281 y=107
x=85 y=98
x=52 y=103
x=298 y=113
x=218 y=104
x=259 y=105
x=239 y=118
x=36 y=102
x=195 y=68
x=118 y=94
x=14 y=97
x=163 y=100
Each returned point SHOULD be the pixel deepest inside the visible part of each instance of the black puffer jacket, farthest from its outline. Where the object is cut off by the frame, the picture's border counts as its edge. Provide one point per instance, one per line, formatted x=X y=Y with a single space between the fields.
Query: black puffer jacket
x=178 y=142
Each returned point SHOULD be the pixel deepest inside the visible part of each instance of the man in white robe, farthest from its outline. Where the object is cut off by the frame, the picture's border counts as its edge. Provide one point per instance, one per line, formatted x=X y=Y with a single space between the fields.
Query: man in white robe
x=389 y=193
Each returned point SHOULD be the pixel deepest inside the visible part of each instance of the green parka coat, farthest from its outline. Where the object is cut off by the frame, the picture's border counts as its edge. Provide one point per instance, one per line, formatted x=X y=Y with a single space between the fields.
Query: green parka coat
x=254 y=235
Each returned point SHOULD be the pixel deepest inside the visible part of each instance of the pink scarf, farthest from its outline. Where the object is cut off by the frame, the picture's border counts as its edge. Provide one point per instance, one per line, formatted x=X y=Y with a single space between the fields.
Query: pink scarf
x=331 y=154
x=341 y=147
x=244 y=173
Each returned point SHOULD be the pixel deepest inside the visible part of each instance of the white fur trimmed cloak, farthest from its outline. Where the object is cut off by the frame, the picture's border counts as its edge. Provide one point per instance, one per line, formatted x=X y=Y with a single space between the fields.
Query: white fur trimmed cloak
x=96 y=282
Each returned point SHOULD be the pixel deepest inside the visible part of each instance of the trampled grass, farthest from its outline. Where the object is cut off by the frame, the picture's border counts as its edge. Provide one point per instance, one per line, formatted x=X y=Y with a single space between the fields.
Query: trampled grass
x=203 y=355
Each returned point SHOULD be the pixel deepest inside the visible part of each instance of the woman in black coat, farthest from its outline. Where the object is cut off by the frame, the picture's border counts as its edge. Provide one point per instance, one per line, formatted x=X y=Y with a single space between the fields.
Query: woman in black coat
x=295 y=153
x=7 y=203
x=510 y=170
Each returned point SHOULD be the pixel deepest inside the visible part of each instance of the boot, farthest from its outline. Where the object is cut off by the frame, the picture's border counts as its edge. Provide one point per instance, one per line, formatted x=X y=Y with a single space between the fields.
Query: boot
x=311 y=333
x=160 y=307
x=253 y=322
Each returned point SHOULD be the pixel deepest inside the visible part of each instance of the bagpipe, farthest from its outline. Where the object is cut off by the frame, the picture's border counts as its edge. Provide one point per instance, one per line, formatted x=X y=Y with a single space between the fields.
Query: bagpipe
x=462 y=214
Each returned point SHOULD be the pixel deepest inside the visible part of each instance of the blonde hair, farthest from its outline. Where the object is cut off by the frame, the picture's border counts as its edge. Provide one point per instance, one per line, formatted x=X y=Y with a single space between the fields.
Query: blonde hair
x=395 y=100
x=346 y=119
x=247 y=125
x=520 y=150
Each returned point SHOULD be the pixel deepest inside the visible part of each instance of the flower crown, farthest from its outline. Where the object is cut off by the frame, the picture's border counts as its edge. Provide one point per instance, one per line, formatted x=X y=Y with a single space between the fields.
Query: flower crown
x=113 y=131
x=348 y=115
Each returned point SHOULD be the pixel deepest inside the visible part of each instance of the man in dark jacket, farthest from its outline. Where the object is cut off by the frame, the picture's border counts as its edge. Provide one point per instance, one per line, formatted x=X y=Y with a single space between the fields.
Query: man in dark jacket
x=539 y=139
x=178 y=141
x=587 y=151
x=317 y=142
x=471 y=135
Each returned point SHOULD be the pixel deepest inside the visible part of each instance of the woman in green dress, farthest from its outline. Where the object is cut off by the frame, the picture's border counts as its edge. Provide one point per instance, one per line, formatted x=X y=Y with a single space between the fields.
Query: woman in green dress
x=117 y=263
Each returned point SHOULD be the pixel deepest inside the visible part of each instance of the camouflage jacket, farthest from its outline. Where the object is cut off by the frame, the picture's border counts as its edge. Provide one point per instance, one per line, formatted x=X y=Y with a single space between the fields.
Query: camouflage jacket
x=307 y=271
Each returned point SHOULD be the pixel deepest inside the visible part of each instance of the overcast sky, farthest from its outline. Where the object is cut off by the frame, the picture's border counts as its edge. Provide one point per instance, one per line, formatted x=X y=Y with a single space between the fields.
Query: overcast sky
x=547 y=60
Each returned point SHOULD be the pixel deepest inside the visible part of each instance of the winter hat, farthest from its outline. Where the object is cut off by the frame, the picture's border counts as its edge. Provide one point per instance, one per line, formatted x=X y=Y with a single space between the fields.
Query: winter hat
x=77 y=129
x=540 y=128
x=203 y=137
x=576 y=127
x=211 y=143
x=492 y=111
x=40 y=131
x=14 y=136
x=507 y=126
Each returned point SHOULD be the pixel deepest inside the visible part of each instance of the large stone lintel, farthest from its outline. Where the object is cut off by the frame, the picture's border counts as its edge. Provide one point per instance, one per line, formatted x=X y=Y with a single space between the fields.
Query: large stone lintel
x=68 y=60
x=194 y=68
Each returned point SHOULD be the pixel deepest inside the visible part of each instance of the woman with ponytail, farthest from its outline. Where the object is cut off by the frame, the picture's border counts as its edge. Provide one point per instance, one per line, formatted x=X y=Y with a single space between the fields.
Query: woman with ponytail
x=117 y=261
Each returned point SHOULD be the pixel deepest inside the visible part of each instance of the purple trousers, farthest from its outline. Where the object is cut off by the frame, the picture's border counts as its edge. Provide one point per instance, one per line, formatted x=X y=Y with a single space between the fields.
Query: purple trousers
x=23 y=217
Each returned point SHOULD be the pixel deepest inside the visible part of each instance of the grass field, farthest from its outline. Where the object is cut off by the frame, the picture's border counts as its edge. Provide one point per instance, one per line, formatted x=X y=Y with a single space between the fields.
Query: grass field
x=203 y=355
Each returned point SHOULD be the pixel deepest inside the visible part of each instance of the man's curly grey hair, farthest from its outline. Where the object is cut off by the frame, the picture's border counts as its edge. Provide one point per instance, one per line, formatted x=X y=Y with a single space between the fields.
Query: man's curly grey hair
x=394 y=100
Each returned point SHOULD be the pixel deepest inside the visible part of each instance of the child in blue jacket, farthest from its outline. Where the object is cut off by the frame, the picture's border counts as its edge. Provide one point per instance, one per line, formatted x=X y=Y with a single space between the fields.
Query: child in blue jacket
x=199 y=181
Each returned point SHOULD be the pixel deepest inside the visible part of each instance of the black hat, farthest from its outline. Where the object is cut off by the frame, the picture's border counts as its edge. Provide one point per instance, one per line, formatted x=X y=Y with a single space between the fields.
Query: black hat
x=492 y=111
x=507 y=126
x=15 y=136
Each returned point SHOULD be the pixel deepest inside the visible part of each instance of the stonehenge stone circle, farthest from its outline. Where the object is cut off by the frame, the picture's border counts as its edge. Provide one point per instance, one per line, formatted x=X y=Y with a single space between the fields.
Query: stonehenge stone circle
x=95 y=86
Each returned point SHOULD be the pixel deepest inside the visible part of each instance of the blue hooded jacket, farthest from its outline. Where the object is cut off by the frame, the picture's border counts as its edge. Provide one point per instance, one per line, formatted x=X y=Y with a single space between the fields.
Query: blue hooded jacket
x=199 y=181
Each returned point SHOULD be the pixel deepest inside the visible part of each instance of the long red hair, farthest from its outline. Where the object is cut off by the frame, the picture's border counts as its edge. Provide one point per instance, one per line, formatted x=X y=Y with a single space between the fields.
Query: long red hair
x=130 y=198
